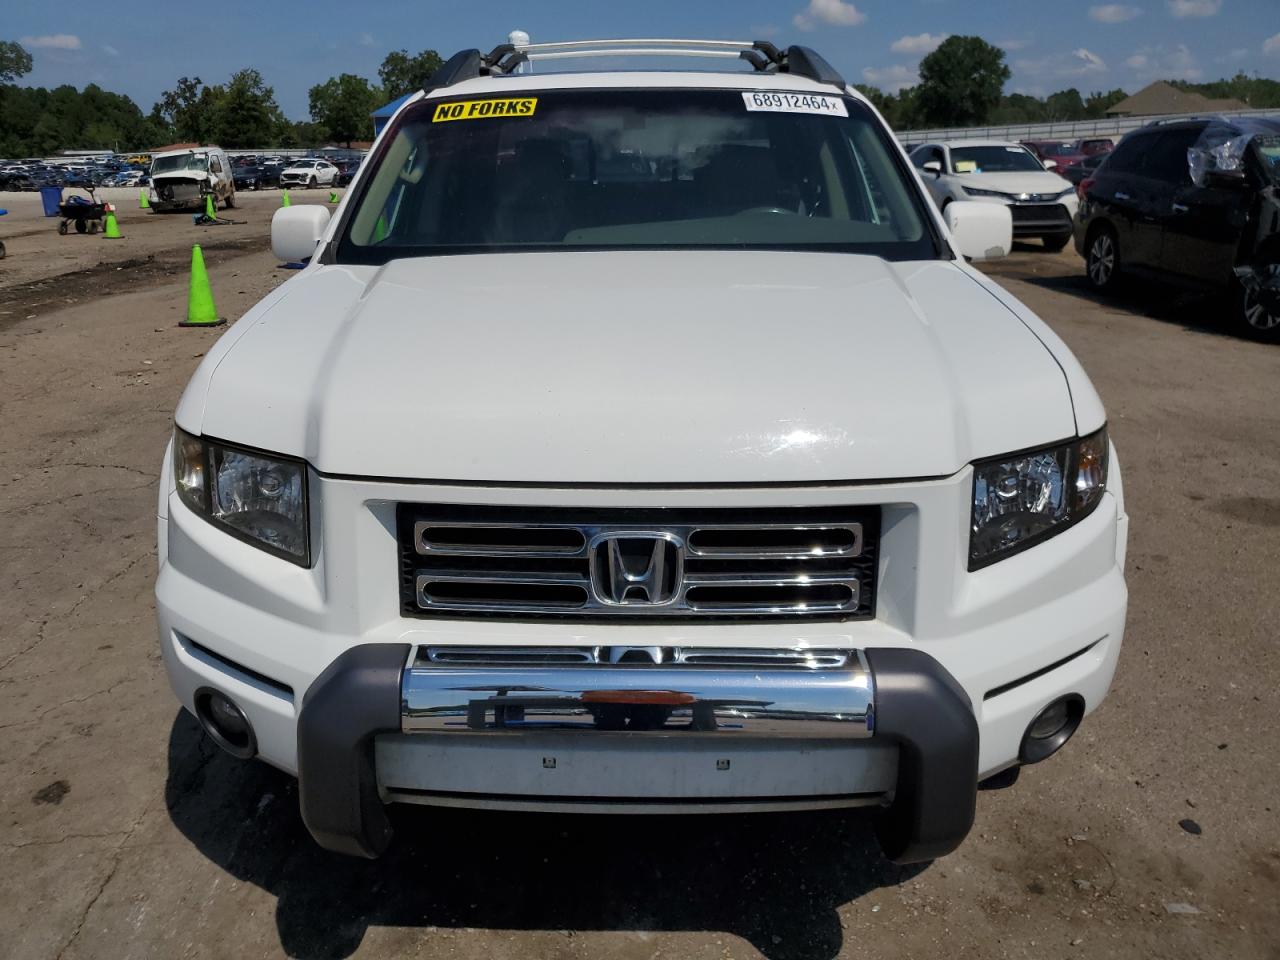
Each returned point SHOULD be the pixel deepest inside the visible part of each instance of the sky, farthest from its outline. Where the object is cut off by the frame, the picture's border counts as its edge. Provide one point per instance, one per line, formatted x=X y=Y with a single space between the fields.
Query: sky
x=140 y=50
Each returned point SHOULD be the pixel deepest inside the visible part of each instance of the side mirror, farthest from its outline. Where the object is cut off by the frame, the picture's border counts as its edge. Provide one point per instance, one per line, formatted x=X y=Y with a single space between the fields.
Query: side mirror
x=295 y=231
x=1049 y=164
x=932 y=166
x=981 y=231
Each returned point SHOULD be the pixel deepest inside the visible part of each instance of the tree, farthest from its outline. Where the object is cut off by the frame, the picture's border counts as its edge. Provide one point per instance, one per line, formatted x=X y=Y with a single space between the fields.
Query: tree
x=14 y=61
x=342 y=105
x=1064 y=105
x=246 y=114
x=401 y=73
x=1258 y=92
x=1098 y=103
x=181 y=108
x=961 y=82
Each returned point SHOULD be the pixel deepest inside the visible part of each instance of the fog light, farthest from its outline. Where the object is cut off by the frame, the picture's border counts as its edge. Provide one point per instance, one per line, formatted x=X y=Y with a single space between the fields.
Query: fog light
x=1050 y=721
x=1051 y=728
x=225 y=723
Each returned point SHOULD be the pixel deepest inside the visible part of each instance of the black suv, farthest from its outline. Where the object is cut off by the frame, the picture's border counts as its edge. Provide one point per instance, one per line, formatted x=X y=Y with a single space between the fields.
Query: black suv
x=1191 y=202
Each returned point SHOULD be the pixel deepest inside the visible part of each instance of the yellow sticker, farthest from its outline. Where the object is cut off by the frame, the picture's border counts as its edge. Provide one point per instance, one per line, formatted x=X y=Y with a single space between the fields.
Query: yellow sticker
x=965 y=166
x=477 y=109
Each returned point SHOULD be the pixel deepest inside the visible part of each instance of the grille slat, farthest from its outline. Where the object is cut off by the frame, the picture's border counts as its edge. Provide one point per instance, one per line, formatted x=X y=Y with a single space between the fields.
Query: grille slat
x=719 y=564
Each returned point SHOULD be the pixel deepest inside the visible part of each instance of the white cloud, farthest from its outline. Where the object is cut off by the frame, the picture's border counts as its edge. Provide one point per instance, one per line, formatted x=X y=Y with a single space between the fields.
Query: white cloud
x=1062 y=66
x=52 y=41
x=109 y=50
x=1089 y=62
x=1194 y=8
x=1238 y=54
x=1114 y=13
x=835 y=12
x=1163 y=63
x=920 y=44
x=891 y=79
x=366 y=39
x=1271 y=44
x=1013 y=45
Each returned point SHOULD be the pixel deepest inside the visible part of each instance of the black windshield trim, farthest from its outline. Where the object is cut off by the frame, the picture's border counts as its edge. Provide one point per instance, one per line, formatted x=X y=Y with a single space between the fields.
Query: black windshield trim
x=341 y=251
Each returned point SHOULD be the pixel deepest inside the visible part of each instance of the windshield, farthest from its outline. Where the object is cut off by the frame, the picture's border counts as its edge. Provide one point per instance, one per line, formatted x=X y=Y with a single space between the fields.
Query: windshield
x=993 y=160
x=182 y=161
x=1059 y=149
x=608 y=169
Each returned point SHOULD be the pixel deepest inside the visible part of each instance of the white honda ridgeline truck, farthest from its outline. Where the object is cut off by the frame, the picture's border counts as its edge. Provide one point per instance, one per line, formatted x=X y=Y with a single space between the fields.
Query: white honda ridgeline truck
x=641 y=442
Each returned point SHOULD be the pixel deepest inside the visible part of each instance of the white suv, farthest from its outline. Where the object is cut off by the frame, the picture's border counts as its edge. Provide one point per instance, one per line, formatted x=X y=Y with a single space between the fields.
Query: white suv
x=309 y=173
x=1041 y=203
x=641 y=442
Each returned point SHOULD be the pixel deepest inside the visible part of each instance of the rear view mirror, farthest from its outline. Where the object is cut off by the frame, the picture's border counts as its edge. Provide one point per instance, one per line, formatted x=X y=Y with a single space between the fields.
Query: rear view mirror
x=295 y=231
x=981 y=231
x=932 y=166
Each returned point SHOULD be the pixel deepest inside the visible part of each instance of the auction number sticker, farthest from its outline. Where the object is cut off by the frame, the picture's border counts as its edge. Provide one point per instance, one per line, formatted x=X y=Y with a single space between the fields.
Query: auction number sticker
x=479 y=109
x=795 y=103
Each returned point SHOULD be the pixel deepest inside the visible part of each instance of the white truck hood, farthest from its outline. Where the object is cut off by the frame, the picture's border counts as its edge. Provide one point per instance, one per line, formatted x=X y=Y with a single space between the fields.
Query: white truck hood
x=633 y=367
x=1028 y=182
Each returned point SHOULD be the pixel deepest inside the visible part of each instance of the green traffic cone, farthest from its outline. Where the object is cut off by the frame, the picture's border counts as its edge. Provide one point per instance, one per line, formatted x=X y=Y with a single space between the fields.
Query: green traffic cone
x=143 y=202
x=333 y=196
x=284 y=199
x=208 y=207
x=200 y=309
x=112 y=230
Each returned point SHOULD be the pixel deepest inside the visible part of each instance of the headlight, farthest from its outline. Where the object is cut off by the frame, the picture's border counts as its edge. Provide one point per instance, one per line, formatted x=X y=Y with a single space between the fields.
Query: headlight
x=261 y=499
x=1022 y=499
x=975 y=192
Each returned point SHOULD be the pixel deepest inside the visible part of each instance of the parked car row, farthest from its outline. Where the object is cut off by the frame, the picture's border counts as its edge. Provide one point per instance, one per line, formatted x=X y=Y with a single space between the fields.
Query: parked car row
x=34 y=174
x=1193 y=203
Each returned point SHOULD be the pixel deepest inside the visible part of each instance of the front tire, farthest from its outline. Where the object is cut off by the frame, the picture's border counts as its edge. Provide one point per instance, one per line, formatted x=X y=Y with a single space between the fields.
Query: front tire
x=1258 y=321
x=231 y=200
x=312 y=183
x=1102 y=259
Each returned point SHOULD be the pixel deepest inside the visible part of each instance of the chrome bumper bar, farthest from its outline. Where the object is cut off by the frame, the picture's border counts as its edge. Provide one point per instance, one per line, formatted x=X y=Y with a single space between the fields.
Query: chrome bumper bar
x=760 y=699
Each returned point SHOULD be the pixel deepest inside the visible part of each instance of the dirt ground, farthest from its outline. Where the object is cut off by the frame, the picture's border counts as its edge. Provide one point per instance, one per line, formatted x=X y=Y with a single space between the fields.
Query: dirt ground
x=1155 y=833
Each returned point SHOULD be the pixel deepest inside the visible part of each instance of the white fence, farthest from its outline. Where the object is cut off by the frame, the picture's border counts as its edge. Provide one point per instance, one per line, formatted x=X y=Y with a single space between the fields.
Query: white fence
x=1067 y=130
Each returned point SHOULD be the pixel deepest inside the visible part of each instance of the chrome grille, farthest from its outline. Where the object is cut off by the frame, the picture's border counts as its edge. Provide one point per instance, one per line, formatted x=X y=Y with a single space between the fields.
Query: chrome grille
x=533 y=562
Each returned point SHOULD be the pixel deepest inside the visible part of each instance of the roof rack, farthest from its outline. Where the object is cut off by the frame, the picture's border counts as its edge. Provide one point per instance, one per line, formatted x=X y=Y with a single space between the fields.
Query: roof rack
x=763 y=56
x=1187 y=118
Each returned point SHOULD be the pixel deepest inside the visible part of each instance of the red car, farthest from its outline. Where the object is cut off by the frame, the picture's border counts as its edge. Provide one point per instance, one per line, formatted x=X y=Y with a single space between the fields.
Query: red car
x=1068 y=153
x=1063 y=153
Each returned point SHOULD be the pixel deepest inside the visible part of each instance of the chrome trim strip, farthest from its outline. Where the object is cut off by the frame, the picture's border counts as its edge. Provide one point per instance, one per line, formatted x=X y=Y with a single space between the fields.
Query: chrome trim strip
x=660 y=699
x=565 y=805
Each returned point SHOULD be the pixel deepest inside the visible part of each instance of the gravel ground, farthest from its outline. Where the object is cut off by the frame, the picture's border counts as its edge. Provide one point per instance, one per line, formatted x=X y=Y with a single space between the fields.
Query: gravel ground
x=126 y=834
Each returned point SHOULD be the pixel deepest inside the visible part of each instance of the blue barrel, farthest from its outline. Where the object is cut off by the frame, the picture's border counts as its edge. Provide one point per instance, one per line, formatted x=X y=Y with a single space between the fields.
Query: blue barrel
x=51 y=197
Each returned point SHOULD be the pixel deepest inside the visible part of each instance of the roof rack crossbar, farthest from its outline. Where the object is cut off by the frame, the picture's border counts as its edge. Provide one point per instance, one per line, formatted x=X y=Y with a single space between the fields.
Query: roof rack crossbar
x=761 y=54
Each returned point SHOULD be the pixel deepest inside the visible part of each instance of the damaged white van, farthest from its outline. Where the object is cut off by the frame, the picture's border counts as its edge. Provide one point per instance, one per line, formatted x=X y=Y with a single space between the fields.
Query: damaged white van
x=182 y=179
x=640 y=443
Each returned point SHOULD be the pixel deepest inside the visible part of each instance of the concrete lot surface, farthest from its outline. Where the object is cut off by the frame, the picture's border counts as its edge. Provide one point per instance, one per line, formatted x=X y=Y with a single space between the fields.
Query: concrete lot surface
x=127 y=834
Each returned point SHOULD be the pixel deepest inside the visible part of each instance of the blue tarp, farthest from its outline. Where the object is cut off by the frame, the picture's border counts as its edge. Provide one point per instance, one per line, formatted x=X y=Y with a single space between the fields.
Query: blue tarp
x=383 y=114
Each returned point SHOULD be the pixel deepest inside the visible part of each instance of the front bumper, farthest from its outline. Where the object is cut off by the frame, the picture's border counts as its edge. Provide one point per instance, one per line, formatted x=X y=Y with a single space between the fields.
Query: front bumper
x=900 y=698
x=1014 y=637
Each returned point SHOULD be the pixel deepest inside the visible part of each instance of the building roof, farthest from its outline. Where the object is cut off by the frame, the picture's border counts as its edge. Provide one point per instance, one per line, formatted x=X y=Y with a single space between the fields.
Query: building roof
x=1160 y=98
